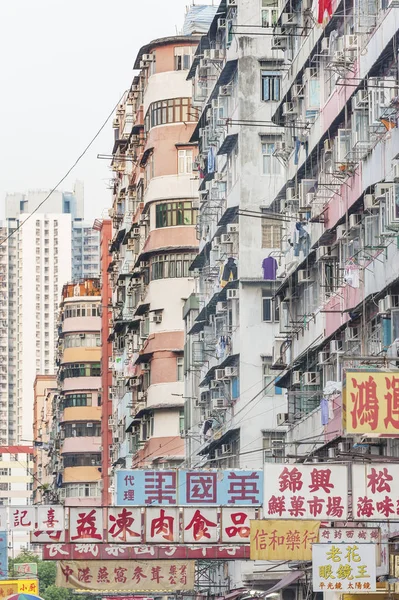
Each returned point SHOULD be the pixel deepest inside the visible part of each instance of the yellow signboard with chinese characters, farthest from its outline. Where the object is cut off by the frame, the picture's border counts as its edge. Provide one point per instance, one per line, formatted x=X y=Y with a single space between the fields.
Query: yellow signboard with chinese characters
x=283 y=540
x=126 y=575
x=18 y=586
x=371 y=402
x=344 y=567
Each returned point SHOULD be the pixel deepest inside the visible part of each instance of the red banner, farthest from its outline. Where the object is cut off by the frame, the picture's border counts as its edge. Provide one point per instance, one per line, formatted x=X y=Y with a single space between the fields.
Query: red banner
x=112 y=552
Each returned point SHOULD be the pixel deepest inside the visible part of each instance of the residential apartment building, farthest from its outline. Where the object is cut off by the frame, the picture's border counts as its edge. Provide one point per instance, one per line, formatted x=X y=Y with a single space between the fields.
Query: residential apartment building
x=154 y=212
x=85 y=250
x=231 y=320
x=76 y=426
x=45 y=392
x=104 y=227
x=338 y=297
x=38 y=254
x=16 y=470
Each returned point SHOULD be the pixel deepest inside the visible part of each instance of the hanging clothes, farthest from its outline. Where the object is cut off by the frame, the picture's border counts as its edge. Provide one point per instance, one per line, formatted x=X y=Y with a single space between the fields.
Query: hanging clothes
x=324 y=411
x=211 y=160
x=352 y=274
x=229 y=271
x=300 y=140
x=269 y=266
x=301 y=240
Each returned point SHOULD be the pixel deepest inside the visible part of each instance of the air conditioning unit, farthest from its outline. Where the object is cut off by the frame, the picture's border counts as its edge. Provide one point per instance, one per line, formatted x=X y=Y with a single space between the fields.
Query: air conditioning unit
x=289 y=108
x=351 y=43
x=225 y=238
x=288 y=19
x=336 y=346
x=324 y=357
x=341 y=231
x=136 y=231
x=326 y=253
x=89 y=425
x=134 y=381
x=369 y=202
x=226 y=90
x=381 y=306
x=222 y=23
x=311 y=378
x=148 y=57
x=391 y=302
x=219 y=374
x=230 y=372
x=145 y=366
x=157 y=318
x=355 y=221
x=232 y=228
x=305 y=276
x=282 y=418
x=227 y=448
x=325 y=46
x=221 y=307
x=352 y=334
x=214 y=384
x=290 y=194
x=218 y=404
x=232 y=294
x=296 y=378
x=328 y=146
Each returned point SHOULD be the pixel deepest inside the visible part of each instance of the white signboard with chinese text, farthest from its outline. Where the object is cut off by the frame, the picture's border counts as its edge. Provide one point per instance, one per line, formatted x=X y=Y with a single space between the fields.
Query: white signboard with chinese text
x=235 y=526
x=305 y=492
x=124 y=525
x=375 y=491
x=344 y=567
x=85 y=524
x=200 y=525
x=50 y=518
x=162 y=525
x=22 y=518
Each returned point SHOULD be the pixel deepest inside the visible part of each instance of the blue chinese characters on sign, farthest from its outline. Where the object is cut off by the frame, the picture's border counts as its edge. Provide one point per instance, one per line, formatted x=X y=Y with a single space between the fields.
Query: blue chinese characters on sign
x=209 y=488
x=3 y=555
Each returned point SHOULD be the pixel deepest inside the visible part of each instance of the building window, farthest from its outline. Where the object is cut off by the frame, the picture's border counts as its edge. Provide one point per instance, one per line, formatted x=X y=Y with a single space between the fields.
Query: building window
x=82 y=460
x=183 y=58
x=180 y=368
x=267 y=309
x=269 y=13
x=274 y=446
x=271 y=83
x=170 y=214
x=82 y=490
x=181 y=420
x=270 y=163
x=86 y=340
x=267 y=378
x=82 y=430
x=76 y=400
x=166 y=266
x=185 y=162
x=271 y=233
x=81 y=370
x=174 y=110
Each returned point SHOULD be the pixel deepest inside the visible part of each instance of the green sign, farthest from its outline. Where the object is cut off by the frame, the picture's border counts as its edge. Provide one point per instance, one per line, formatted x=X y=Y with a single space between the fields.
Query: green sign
x=25 y=569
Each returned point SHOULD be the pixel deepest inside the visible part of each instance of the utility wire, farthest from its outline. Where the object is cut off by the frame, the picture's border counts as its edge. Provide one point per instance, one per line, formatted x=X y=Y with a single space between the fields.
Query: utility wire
x=19 y=226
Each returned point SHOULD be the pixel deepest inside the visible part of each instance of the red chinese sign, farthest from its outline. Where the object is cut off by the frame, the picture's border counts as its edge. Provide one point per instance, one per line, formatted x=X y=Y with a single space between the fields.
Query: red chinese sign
x=236 y=525
x=85 y=524
x=375 y=491
x=371 y=402
x=126 y=576
x=200 y=525
x=143 y=552
x=162 y=525
x=300 y=491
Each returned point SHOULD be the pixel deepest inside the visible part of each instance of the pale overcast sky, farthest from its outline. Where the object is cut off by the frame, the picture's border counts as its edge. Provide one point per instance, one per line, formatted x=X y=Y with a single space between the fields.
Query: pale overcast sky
x=64 y=65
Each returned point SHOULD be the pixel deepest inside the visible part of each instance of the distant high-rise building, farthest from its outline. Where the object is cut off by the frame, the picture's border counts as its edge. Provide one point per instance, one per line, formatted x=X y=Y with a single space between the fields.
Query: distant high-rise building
x=41 y=249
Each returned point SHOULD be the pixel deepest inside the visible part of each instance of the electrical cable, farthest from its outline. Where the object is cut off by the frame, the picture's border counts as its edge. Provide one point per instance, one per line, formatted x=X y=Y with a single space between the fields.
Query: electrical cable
x=21 y=223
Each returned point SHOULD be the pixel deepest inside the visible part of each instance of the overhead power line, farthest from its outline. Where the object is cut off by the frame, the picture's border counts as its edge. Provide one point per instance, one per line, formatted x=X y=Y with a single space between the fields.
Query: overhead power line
x=79 y=158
